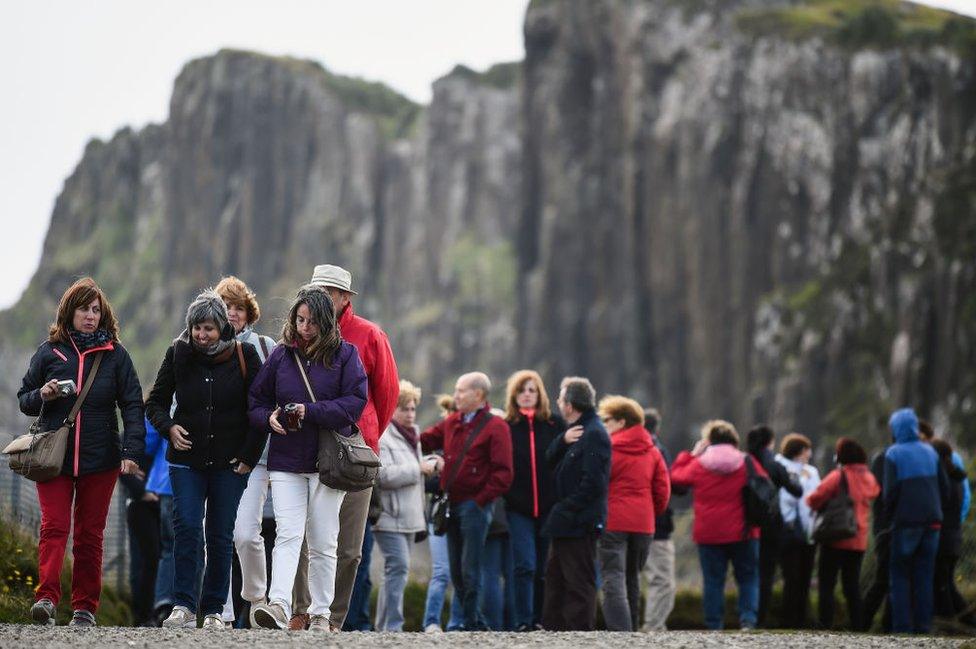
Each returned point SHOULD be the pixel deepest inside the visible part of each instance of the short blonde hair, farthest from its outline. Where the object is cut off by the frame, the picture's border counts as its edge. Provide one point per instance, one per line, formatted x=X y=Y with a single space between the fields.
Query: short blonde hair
x=408 y=392
x=234 y=291
x=719 y=431
x=625 y=409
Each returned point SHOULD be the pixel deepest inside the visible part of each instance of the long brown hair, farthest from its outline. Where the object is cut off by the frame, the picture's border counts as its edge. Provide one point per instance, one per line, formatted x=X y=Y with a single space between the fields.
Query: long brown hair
x=324 y=348
x=515 y=383
x=80 y=294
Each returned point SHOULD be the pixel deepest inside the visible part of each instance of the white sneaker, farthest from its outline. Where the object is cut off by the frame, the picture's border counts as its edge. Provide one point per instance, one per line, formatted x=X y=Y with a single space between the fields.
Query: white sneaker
x=181 y=618
x=269 y=616
x=433 y=627
x=213 y=622
x=319 y=623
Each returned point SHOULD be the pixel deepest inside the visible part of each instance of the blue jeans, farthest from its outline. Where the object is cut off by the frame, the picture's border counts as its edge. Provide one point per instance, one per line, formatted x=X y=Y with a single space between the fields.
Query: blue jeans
x=913 y=551
x=529 y=550
x=220 y=490
x=164 y=574
x=440 y=577
x=357 y=619
x=395 y=547
x=497 y=587
x=714 y=559
x=466 y=536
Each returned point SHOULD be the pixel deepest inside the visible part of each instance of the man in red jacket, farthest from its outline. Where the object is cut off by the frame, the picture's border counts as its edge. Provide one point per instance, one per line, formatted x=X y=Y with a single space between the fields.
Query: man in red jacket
x=477 y=470
x=384 y=388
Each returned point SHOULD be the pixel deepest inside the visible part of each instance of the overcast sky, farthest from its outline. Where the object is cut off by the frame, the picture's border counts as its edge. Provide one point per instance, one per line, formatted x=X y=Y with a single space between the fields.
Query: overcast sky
x=73 y=70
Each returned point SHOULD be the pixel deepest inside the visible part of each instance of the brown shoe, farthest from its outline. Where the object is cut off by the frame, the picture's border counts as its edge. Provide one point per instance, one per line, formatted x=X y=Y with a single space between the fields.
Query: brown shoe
x=298 y=622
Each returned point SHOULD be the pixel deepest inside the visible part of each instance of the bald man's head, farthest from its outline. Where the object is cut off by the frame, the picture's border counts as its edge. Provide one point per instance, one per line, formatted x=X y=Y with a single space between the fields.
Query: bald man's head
x=471 y=391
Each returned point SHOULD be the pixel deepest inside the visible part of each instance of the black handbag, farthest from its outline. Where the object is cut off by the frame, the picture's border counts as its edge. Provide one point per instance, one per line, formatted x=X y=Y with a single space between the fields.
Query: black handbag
x=345 y=463
x=760 y=498
x=440 y=505
x=837 y=520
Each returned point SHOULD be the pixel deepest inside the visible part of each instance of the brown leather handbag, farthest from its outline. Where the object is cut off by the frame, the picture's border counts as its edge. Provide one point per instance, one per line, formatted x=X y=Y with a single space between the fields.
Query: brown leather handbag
x=38 y=455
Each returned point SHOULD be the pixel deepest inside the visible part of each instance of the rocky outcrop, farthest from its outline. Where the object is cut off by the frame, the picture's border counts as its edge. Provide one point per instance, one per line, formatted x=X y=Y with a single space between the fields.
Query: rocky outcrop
x=714 y=207
x=747 y=225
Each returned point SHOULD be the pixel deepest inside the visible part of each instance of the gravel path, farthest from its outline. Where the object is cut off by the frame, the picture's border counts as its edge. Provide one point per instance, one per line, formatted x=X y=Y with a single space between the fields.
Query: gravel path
x=33 y=637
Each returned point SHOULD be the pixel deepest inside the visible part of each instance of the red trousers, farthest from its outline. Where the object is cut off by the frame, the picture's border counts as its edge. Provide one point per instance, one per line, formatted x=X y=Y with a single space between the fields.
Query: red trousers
x=91 y=496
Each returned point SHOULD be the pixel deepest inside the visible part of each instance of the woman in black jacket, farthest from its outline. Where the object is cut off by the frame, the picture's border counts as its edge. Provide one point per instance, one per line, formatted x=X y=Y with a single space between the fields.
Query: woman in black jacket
x=84 y=329
x=212 y=449
x=759 y=442
x=948 y=601
x=533 y=427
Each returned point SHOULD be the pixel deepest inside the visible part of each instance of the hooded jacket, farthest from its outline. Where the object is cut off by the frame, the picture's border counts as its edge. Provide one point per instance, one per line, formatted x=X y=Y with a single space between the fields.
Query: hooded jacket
x=914 y=482
x=639 y=483
x=862 y=488
x=717 y=477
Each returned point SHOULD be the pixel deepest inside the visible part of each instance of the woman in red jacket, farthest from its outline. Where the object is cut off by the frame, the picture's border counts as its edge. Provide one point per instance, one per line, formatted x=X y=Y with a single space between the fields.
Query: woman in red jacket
x=639 y=490
x=716 y=470
x=845 y=556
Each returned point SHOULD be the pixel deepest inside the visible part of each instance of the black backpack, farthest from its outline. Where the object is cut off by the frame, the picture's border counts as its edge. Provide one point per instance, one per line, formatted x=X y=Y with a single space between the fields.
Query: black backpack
x=760 y=498
x=837 y=520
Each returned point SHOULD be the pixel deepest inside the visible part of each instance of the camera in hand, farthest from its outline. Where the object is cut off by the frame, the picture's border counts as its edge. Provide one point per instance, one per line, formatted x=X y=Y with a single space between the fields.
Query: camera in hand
x=66 y=388
x=292 y=419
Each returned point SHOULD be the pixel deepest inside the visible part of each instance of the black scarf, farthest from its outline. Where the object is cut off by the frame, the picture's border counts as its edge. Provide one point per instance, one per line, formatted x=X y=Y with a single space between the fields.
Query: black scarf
x=84 y=341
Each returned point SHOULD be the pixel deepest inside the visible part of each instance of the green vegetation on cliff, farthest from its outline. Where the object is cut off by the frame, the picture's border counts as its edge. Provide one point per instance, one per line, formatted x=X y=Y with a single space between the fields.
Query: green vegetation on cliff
x=864 y=23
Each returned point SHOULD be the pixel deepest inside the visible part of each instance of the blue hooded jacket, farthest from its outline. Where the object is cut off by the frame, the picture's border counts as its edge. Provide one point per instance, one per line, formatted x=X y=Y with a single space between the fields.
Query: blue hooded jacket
x=914 y=482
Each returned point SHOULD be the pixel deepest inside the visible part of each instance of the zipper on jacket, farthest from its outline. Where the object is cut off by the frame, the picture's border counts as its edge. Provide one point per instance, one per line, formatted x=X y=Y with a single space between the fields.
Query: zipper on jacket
x=77 y=421
x=535 y=479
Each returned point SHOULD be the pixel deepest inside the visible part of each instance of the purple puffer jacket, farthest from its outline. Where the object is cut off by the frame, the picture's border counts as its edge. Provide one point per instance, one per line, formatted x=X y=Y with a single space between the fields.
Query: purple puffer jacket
x=340 y=396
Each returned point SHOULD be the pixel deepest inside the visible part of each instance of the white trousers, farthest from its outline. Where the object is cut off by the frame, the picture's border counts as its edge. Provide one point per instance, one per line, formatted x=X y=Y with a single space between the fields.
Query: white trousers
x=659 y=577
x=249 y=543
x=304 y=508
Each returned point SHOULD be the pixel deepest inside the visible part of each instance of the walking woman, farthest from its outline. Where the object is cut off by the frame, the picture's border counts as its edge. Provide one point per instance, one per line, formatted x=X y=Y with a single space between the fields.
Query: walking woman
x=337 y=378
x=639 y=490
x=845 y=556
x=401 y=484
x=85 y=333
x=243 y=312
x=533 y=427
x=212 y=449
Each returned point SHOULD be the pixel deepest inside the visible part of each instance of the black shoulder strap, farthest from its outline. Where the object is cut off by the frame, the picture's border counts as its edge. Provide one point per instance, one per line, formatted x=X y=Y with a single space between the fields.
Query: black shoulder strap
x=750 y=469
x=264 y=346
x=464 y=451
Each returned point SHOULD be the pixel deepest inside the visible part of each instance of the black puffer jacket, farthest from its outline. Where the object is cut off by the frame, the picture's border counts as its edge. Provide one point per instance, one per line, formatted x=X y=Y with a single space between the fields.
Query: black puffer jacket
x=94 y=444
x=521 y=496
x=211 y=404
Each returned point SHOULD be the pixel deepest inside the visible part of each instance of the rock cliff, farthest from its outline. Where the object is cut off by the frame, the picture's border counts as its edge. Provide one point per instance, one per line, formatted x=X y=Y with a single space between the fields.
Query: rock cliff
x=741 y=209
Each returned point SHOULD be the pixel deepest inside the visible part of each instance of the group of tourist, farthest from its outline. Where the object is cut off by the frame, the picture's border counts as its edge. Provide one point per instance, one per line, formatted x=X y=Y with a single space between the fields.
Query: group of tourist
x=534 y=512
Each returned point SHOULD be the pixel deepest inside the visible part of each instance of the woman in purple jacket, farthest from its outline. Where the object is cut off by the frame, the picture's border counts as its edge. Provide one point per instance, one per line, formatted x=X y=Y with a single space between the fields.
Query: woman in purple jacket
x=310 y=337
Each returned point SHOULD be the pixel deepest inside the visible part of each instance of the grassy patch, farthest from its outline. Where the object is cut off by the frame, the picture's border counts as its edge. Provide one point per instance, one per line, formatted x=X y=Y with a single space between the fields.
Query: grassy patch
x=18 y=576
x=500 y=75
x=864 y=23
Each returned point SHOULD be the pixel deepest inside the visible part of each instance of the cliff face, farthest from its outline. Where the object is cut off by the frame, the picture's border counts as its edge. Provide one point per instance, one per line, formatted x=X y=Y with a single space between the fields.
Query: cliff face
x=759 y=227
x=715 y=210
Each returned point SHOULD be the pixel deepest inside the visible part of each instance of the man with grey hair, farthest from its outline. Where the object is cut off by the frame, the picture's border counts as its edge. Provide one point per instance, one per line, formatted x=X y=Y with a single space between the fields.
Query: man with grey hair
x=477 y=470
x=580 y=460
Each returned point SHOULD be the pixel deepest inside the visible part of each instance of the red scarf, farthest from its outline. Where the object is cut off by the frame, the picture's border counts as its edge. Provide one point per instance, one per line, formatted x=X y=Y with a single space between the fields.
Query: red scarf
x=408 y=434
x=529 y=414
